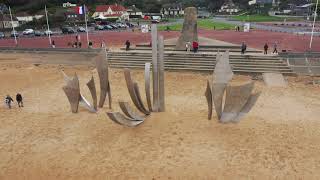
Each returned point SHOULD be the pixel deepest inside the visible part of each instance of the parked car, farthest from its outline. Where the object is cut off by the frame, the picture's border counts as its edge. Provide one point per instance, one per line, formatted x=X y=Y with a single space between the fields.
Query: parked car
x=14 y=34
x=67 y=30
x=108 y=27
x=47 y=32
x=81 y=29
x=2 y=35
x=28 y=32
x=99 y=27
x=38 y=33
x=113 y=26
x=129 y=25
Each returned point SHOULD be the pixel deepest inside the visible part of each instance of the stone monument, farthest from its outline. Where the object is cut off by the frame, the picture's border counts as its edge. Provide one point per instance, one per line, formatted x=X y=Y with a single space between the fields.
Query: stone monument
x=189 y=30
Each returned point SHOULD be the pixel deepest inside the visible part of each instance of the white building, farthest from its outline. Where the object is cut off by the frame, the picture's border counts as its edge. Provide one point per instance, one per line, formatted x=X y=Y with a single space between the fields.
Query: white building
x=67 y=5
x=115 y=11
x=5 y=21
x=229 y=7
x=24 y=17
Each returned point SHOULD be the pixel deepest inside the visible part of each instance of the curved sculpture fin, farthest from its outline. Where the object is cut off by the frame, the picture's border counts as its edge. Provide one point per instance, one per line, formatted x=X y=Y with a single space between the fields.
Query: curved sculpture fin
x=129 y=112
x=121 y=119
x=132 y=92
x=236 y=98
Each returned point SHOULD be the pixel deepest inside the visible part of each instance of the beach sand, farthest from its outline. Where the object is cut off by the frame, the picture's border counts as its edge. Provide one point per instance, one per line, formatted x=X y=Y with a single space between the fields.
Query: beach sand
x=278 y=139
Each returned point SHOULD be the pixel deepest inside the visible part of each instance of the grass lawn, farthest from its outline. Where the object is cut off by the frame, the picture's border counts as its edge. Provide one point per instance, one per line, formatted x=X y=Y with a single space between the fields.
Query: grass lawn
x=262 y=18
x=202 y=24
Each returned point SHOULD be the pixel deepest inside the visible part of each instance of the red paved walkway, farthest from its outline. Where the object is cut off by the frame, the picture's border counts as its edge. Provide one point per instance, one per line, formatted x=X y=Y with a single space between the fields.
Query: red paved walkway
x=254 y=39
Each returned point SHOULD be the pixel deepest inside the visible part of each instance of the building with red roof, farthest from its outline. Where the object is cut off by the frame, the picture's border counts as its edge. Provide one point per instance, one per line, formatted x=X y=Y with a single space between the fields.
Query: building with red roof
x=111 y=12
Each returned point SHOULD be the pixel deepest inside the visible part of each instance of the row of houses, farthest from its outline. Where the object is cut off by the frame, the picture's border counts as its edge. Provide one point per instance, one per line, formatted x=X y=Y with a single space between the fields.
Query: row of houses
x=101 y=12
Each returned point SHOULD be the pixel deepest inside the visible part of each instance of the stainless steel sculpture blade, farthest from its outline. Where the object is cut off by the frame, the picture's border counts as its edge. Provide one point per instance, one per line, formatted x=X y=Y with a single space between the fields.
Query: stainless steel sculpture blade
x=121 y=119
x=247 y=107
x=132 y=93
x=72 y=91
x=208 y=95
x=102 y=68
x=147 y=85
x=236 y=97
x=217 y=97
x=161 y=75
x=138 y=95
x=92 y=87
x=86 y=104
x=223 y=71
x=129 y=112
x=155 y=72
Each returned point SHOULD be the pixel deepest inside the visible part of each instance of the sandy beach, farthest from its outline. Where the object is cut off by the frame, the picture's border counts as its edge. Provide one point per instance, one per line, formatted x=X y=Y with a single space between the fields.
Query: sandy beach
x=278 y=139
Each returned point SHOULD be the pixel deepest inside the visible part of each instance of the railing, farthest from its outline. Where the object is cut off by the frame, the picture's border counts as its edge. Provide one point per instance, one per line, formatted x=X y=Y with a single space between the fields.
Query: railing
x=307 y=63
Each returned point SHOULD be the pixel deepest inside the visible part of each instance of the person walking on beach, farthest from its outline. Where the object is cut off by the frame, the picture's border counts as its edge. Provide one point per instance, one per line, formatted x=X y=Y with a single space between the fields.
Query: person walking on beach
x=275 y=46
x=243 y=48
x=8 y=101
x=195 y=46
x=265 y=47
x=19 y=100
x=127 y=45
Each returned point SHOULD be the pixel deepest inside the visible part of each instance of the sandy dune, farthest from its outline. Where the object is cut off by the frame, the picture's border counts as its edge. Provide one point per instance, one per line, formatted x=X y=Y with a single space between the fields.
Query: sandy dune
x=279 y=139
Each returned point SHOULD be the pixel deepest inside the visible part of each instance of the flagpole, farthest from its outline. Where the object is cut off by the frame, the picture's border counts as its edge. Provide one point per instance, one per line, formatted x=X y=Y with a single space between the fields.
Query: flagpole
x=314 y=21
x=49 y=35
x=85 y=19
x=14 y=32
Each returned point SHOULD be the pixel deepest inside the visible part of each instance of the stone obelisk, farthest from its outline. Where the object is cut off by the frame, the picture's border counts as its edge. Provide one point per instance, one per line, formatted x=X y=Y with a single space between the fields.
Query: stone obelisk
x=189 y=30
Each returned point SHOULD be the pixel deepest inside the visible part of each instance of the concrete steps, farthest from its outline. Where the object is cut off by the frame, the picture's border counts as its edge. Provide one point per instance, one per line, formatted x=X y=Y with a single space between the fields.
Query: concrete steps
x=199 y=62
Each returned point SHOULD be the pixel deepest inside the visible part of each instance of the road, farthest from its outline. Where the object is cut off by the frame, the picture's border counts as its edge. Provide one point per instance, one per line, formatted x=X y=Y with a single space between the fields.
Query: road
x=296 y=30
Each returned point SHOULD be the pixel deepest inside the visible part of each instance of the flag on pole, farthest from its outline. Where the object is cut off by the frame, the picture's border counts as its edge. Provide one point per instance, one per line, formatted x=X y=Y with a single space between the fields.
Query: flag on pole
x=81 y=9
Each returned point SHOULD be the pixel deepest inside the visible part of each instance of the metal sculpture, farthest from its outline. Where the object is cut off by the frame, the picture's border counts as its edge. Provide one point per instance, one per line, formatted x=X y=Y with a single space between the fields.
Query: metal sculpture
x=137 y=92
x=92 y=87
x=208 y=95
x=102 y=68
x=122 y=120
x=217 y=97
x=72 y=91
x=157 y=70
x=161 y=75
x=147 y=85
x=131 y=118
x=132 y=92
x=238 y=100
x=223 y=71
x=129 y=112
x=247 y=107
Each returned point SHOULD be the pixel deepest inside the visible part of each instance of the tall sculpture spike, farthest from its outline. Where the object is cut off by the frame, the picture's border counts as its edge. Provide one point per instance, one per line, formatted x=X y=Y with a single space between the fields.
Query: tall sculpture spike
x=161 y=75
x=155 y=69
x=102 y=68
x=147 y=85
x=208 y=95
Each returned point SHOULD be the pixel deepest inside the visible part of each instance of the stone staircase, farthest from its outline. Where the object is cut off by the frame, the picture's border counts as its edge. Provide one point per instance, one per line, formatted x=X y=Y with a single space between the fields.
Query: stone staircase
x=199 y=62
